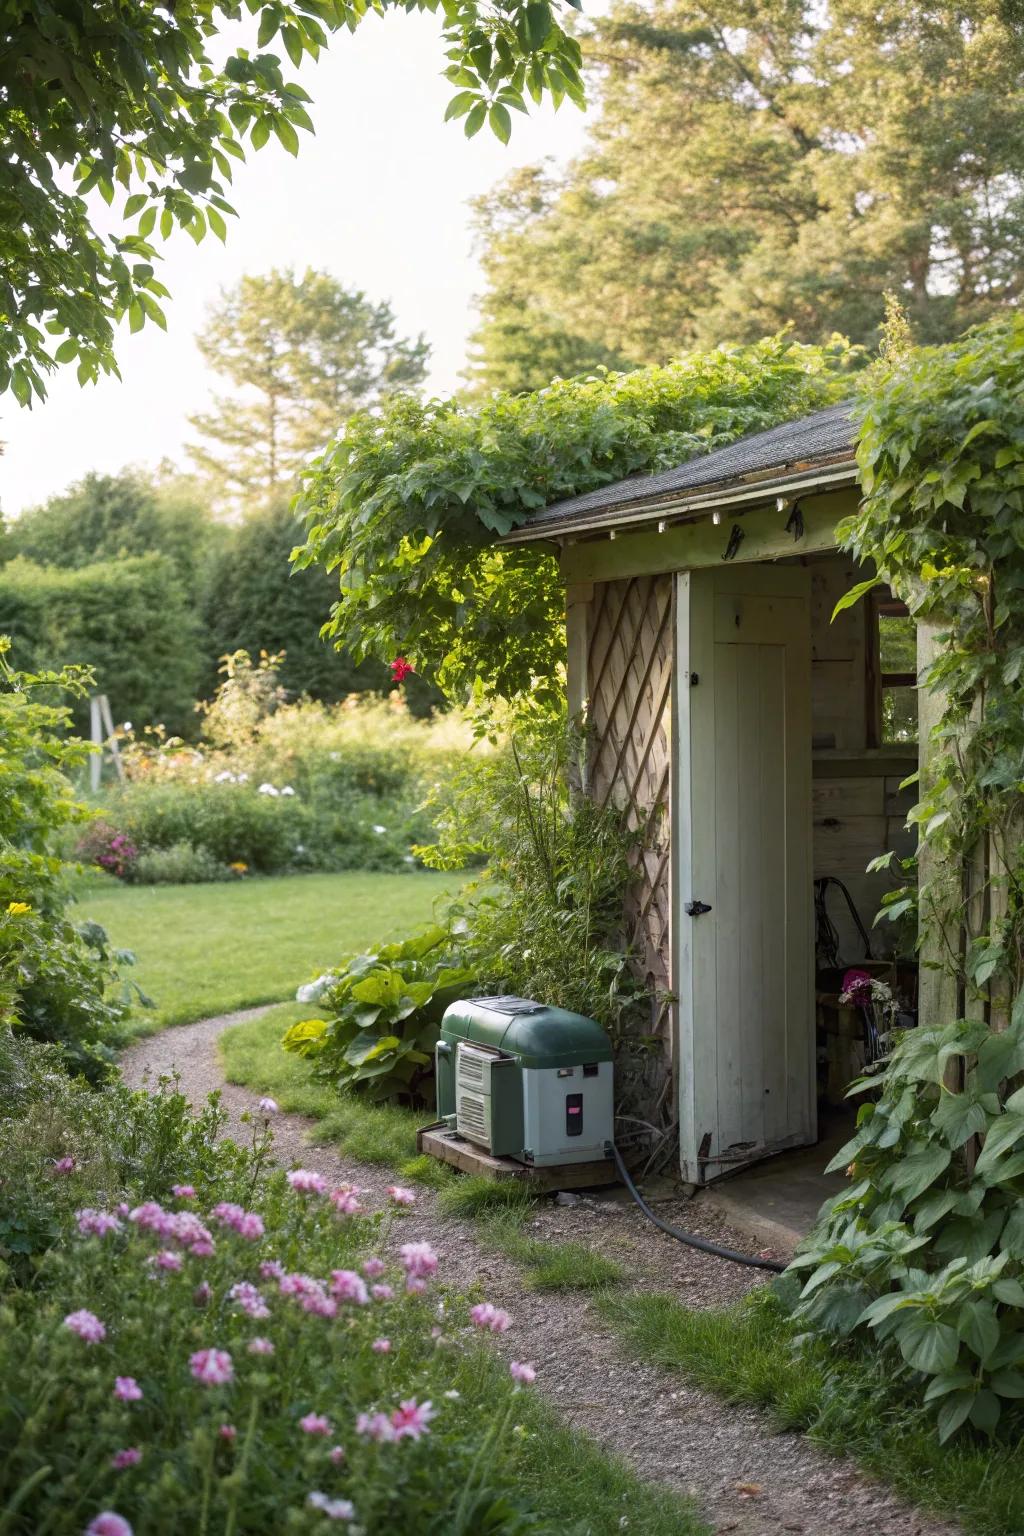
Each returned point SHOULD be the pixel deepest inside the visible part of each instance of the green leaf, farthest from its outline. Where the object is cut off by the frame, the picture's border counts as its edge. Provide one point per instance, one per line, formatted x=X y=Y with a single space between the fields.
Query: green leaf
x=855 y=594
x=287 y=135
x=500 y=120
x=538 y=24
x=929 y=1346
x=978 y=1326
x=460 y=104
x=953 y=1413
x=475 y=120
x=147 y=222
x=67 y=350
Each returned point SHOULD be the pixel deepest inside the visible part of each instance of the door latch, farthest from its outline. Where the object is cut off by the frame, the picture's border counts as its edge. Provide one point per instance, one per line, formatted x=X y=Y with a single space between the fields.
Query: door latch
x=697 y=908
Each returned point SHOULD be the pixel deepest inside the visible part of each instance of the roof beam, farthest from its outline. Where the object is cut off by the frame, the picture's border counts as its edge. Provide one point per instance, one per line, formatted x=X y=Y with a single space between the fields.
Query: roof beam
x=688 y=546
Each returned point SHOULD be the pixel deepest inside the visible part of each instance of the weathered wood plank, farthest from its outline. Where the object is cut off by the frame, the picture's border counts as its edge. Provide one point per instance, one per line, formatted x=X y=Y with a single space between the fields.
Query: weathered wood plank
x=437 y=1141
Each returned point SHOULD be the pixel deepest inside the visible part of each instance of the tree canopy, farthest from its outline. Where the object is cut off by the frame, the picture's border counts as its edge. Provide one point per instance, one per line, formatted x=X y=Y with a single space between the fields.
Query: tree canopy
x=759 y=163
x=302 y=353
x=103 y=517
x=149 y=105
x=405 y=506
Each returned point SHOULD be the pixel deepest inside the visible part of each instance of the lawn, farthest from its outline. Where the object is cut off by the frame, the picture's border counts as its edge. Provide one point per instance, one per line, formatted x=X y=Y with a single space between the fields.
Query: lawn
x=208 y=949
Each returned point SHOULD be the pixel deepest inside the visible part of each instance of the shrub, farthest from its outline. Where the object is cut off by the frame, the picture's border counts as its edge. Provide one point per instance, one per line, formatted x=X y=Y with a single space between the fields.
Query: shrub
x=128 y=620
x=228 y=822
x=103 y=845
x=55 y=980
x=545 y=923
x=384 y=1012
x=180 y=864
x=278 y=785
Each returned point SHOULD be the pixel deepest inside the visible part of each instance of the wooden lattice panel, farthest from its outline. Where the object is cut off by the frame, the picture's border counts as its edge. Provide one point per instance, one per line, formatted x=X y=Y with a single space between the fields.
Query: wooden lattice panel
x=629 y=675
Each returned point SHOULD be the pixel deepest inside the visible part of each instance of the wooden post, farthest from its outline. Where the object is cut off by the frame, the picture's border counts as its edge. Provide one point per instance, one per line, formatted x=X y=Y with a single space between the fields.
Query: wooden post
x=939 y=997
x=96 y=737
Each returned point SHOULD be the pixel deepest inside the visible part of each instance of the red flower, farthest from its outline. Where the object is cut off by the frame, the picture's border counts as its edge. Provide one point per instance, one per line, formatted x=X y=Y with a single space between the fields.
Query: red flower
x=400 y=669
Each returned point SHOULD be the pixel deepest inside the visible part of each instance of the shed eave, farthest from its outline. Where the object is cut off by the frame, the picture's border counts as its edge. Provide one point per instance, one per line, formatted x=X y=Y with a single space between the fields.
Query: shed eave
x=835 y=475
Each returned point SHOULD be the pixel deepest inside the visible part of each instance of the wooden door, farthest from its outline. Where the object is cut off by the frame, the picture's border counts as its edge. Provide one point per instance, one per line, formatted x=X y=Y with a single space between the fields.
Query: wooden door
x=742 y=843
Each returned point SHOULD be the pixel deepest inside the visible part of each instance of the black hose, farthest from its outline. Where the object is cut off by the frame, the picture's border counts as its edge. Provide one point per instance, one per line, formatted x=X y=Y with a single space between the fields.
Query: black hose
x=688 y=1237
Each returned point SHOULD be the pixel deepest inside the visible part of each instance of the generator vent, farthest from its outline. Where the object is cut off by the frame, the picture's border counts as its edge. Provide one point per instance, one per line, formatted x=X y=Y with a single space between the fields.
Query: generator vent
x=473 y=1092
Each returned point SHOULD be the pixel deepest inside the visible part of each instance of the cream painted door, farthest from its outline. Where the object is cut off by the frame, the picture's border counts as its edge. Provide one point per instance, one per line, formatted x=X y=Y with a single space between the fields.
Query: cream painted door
x=742 y=831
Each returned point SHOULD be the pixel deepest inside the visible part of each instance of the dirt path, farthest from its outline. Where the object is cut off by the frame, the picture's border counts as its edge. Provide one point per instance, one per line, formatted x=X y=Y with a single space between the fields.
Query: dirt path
x=747 y=1479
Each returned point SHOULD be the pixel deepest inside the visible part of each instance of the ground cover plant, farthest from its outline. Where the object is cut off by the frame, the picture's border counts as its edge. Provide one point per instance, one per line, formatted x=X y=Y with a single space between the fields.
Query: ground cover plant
x=208 y=949
x=201 y=1343
x=845 y=1400
x=384 y=1012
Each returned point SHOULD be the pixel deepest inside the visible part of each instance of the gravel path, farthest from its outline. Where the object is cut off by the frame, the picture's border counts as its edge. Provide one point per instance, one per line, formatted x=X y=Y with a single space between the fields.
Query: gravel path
x=746 y=1478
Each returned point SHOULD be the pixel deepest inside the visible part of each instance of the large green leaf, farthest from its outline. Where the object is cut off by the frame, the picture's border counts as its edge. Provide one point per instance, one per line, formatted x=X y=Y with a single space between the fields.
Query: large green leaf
x=367 y=1049
x=929 y=1346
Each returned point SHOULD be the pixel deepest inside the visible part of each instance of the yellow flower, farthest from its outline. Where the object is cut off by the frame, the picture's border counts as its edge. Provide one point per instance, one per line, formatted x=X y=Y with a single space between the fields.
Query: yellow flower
x=18 y=908
x=239 y=867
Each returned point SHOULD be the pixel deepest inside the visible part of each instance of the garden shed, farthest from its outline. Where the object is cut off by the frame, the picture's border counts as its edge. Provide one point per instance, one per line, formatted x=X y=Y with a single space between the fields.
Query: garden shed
x=759 y=749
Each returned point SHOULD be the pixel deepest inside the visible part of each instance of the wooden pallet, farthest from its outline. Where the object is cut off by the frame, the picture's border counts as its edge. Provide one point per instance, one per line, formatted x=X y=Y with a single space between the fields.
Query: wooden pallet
x=438 y=1141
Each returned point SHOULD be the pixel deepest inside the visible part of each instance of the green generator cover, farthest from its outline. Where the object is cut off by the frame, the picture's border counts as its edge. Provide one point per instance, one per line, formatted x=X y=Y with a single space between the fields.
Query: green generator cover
x=536 y=1035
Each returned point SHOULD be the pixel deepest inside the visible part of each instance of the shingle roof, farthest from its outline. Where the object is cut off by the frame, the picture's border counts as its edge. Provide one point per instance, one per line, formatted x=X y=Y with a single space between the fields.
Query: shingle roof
x=825 y=438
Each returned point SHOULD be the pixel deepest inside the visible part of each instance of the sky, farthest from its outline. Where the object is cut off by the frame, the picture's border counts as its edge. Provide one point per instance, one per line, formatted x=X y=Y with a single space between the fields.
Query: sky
x=378 y=198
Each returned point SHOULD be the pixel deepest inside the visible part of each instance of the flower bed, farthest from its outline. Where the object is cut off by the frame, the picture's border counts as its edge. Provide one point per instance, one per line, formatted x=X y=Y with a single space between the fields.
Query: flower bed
x=182 y=1365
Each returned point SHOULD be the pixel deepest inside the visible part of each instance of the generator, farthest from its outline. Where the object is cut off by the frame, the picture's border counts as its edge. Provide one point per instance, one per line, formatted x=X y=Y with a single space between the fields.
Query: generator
x=525 y=1081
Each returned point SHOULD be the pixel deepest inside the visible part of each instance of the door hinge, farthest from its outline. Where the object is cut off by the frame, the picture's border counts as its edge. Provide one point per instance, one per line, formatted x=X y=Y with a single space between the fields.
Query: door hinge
x=697 y=908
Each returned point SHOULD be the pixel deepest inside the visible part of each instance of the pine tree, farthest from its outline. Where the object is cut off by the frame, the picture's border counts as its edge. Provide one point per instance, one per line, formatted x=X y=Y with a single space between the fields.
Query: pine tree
x=762 y=163
x=303 y=354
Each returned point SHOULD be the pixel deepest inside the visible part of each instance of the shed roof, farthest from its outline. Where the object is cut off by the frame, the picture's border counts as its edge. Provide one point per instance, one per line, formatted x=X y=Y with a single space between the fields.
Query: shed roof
x=790 y=456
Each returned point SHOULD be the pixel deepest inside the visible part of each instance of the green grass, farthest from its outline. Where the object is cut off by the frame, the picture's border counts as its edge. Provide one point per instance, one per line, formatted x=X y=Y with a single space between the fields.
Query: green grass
x=547 y=1265
x=208 y=949
x=848 y=1403
x=473 y=1194
x=372 y=1133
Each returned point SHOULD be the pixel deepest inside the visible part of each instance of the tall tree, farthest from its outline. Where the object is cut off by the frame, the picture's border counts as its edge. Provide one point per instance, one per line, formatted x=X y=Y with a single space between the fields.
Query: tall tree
x=304 y=354
x=153 y=100
x=759 y=163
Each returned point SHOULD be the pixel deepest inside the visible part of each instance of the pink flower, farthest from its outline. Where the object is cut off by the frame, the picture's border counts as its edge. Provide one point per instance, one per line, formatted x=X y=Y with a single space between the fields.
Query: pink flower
x=418 y=1260
x=307 y=1182
x=96 y=1223
x=183 y=1191
x=260 y=1346
x=521 y=1372
x=345 y=1202
x=126 y=1458
x=250 y=1300
x=401 y=1195
x=64 y=1165
x=856 y=987
x=268 y=1106
x=346 y=1285
x=87 y=1326
x=415 y=1286
x=320 y=1304
x=151 y=1216
x=375 y=1426
x=202 y=1250
x=165 y=1260
x=315 y=1424
x=374 y=1267
x=227 y=1432
x=108 y=1524
x=202 y=1293
x=246 y=1223
x=212 y=1367
x=382 y=1292
x=271 y=1269
x=334 y=1509
x=484 y=1315
x=410 y=1419
x=127 y=1389
x=400 y=669
x=337 y=1454
x=381 y=1346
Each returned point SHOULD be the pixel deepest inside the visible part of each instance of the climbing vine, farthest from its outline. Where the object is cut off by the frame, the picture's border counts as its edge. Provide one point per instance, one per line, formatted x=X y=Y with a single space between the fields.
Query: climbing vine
x=925 y=1250
x=406 y=505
